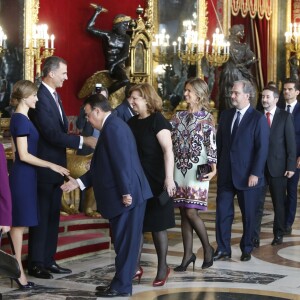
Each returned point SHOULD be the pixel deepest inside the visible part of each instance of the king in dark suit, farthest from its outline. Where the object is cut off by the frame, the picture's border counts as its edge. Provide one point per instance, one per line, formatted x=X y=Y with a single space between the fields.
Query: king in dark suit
x=242 y=148
x=51 y=121
x=281 y=161
x=121 y=190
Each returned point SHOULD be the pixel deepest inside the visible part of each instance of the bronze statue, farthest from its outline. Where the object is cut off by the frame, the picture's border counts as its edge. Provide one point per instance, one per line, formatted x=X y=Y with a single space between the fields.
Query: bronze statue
x=116 y=47
x=237 y=67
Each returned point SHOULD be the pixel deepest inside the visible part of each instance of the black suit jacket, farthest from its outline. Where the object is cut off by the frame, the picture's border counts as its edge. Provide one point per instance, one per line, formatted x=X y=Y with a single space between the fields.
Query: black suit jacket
x=282 y=144
x=296 y=119
x=54 y=137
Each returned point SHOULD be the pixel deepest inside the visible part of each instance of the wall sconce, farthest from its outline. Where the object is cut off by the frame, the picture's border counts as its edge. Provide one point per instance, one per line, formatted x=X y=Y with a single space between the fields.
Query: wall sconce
x=37 y=46
x=3 y=45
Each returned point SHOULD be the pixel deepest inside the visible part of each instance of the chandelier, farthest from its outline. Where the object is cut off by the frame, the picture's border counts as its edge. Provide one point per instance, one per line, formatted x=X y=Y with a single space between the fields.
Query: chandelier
x=3 y=45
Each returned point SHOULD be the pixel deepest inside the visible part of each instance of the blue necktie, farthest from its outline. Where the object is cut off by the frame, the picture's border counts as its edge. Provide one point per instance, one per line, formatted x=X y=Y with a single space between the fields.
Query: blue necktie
x=235 y=125
x=288 y=108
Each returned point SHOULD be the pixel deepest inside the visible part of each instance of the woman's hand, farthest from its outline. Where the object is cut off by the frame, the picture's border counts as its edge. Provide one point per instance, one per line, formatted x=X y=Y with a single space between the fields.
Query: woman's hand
x=127 y=200
x=211 y=174
x=4 y=229
x=170 y=186
x=61 y=170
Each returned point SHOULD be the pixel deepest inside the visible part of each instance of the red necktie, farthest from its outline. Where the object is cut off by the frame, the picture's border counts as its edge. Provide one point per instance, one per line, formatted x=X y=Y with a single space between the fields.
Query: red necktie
x=268 y=114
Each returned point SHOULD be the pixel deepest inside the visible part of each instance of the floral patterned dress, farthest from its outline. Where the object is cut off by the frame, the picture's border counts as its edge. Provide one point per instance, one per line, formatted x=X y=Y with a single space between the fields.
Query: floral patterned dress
x=194 y=143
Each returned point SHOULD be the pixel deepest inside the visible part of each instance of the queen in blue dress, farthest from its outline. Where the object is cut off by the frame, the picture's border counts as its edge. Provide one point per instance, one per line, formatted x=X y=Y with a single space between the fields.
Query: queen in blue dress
x=23 y=177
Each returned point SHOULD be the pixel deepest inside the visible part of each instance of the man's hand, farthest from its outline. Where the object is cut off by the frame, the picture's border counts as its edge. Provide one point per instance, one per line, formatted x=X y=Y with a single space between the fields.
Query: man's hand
x=90 y=141
x=127 y=200
x=289 y=174
x=298 y=162
x=70 y=186
x=253 y=180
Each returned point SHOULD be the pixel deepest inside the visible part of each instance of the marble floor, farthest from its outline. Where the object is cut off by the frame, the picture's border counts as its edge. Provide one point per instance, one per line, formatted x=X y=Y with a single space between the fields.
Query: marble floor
x=272 y=273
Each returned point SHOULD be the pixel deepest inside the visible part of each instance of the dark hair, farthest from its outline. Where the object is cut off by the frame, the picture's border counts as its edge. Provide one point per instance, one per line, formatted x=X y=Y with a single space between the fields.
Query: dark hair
x=272 y=89
x=51 y=64
x=98 y=100
x=294 y=81
x=272 y=83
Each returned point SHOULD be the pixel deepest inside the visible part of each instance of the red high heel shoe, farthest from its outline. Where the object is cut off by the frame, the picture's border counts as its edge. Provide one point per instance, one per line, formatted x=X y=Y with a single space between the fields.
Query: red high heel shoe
x=163 y=281
x=139 y=274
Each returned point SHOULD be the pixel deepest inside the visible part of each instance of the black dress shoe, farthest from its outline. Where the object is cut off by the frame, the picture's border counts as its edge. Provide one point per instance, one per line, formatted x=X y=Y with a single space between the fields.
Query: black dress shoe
x=221 y=255
x=110 y=293
x=288 y=230
x=39 y=272
x=277 y=240
x=245 y=256
x=55 y=268
x=255 y=243
x=102 y=288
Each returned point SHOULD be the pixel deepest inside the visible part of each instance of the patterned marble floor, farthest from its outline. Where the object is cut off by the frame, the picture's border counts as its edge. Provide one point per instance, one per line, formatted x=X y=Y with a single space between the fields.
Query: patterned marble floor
x=272 y=273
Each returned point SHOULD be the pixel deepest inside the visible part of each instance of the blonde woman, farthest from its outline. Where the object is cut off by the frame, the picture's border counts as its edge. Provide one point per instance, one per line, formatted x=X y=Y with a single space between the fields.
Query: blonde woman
x=194 y=143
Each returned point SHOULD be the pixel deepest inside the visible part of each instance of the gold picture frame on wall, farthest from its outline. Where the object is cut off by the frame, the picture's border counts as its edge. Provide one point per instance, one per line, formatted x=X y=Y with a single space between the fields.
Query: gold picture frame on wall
x=31 y=17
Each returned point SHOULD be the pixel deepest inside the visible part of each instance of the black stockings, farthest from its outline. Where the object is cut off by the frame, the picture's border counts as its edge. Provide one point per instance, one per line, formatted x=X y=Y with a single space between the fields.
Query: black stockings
x=190 y=220
x=160 y=240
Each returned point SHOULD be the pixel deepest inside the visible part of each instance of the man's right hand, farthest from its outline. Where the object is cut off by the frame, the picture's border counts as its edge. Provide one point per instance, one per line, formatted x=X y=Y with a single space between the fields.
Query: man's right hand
x=70 y=186
x=90 y=141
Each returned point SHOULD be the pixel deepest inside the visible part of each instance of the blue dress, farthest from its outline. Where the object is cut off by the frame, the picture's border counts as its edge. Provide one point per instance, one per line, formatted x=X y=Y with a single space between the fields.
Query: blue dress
x=23 y=177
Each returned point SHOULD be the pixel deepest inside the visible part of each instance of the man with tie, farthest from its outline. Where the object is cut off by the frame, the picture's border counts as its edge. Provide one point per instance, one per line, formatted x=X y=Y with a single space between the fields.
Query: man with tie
x=242 y=148
x=290 y=93
x=281 y=161
x=51 y=121
x=121 y=191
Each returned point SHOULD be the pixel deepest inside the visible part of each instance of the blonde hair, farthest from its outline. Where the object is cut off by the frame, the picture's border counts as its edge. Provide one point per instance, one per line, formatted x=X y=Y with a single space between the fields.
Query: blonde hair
x=23 y=89
x=147 y=91
x=201 y=90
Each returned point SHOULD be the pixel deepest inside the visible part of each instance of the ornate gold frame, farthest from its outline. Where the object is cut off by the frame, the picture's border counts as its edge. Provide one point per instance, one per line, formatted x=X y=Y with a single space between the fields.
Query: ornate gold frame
x=30 y=18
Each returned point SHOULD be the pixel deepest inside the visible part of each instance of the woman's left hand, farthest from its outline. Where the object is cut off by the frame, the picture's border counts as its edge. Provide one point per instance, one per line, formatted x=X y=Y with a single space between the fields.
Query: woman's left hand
x=211 y=174
x=170 y=186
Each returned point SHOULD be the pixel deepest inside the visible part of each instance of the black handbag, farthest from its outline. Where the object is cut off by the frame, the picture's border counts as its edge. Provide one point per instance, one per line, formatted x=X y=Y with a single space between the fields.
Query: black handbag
x=202 y=170
x=9 y=265
x=163 y=198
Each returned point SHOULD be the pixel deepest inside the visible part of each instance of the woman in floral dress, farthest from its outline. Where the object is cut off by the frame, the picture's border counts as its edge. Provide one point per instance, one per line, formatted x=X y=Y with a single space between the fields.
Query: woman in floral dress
x=194 y=143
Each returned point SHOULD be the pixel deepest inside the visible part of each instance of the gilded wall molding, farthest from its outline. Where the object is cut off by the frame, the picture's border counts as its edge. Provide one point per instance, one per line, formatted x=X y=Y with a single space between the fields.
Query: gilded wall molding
x=31 y=17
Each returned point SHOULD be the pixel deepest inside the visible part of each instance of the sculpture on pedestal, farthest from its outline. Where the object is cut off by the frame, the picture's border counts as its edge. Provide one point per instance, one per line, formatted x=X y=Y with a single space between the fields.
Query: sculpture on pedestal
x=237 y=67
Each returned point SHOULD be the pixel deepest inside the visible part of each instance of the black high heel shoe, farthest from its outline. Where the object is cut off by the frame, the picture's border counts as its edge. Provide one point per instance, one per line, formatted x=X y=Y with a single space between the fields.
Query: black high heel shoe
x=208 y=263
x=183 y=268
x=21 y=286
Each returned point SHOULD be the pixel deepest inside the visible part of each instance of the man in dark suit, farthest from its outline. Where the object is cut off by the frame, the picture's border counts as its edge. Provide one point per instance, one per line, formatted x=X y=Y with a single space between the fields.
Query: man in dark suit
x=281 y=161
x=291 y=89
x=242 y=148
x=51 y=121
x=124 y=110
x=121 y=190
